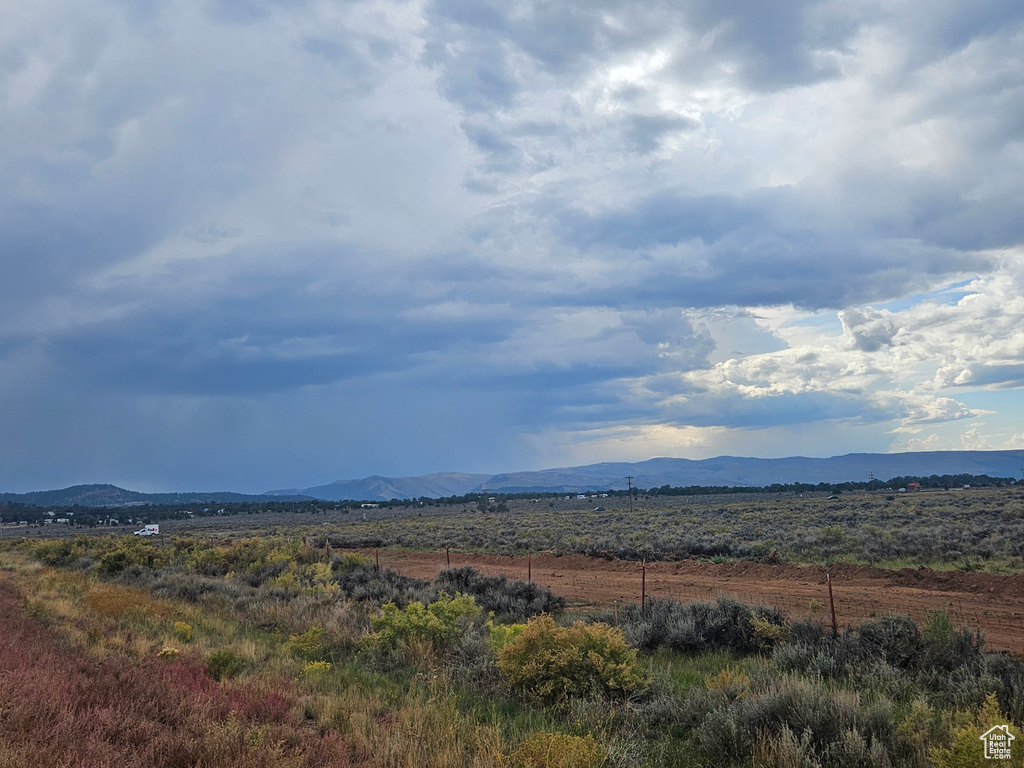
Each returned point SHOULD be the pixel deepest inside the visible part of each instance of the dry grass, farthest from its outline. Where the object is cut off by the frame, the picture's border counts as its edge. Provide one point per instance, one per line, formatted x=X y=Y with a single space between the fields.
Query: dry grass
x=63 y=709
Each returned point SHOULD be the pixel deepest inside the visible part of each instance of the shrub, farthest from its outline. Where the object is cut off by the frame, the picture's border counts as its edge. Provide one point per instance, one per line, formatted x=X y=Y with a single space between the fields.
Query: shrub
x=694 y=627
x=187 y=587
x=552 y=663
x=438 y=625
x=309 y=645
x=168 y=654
x=766 y=632
x=365 y=582
x=183 y=631
x=113 y=563
x=964 y=748
x=790 y=721
x=508 y=600
x=224 y=663
x=316 y=670
x=893 y=639
x=348 y=562
x=55 y=553
x=944 y=648
x=558 y=750
x=729 y=684
x=503 y=634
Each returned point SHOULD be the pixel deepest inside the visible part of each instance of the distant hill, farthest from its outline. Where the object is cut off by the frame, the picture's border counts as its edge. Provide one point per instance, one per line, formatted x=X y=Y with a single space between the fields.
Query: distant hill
x=385 y=488
x=112 y=496
x=654 y=473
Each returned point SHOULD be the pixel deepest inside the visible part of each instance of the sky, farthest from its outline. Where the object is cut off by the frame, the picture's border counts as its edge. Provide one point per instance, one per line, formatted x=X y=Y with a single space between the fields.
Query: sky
x=248 y=244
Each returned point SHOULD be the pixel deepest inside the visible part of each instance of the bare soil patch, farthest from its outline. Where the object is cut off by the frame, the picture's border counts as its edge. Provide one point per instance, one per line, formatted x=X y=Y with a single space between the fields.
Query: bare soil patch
x=991 y=601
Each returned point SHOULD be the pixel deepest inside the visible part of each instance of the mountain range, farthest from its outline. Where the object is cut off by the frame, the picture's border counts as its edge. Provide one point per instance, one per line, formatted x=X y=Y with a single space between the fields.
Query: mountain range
x=654 y=473
x=723 y=471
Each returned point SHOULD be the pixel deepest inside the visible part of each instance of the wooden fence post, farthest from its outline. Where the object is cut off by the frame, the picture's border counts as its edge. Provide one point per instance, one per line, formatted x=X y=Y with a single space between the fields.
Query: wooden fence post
x=643 y=585
x=832 y=605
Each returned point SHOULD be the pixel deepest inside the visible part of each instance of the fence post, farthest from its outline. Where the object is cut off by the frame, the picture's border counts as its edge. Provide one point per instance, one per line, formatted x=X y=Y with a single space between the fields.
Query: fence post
x=643 y=585
x=376 y=554
x=832 y=605
x=529 y=569
x=447 y=557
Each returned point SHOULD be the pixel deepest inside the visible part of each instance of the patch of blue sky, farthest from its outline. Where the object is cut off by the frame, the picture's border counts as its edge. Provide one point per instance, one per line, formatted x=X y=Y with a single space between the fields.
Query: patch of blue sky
x=1005 y=402
x=825 y=322
x=948 y=295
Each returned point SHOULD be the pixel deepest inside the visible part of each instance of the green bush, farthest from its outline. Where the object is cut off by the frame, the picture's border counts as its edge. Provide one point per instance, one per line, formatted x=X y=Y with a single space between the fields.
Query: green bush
x=113 y=563
x=503 y=634
x=508 y=600
x=316 y=671
x=438 y=625
x=964 y=748
x=552 y=663
x=309 y=645
x=349 y=561
x=224 y=663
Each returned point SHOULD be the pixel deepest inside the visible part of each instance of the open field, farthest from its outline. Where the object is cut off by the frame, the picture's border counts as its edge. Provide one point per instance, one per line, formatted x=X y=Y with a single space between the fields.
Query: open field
x=994 y=602
x=972 y=529
x=366 y=665
x=911 y=553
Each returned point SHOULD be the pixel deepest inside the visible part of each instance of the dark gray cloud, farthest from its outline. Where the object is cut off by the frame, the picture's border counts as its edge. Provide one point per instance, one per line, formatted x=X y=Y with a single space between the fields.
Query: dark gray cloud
x=234 y=225
x=667 y=218
x=774 y=45
x=644 y=133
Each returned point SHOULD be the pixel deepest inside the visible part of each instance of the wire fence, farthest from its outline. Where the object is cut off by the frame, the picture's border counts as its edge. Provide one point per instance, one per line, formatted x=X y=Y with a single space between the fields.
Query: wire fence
x=632 y=582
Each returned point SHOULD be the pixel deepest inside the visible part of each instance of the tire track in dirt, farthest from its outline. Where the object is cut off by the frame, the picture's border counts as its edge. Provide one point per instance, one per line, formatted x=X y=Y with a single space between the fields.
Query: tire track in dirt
x=993 y=602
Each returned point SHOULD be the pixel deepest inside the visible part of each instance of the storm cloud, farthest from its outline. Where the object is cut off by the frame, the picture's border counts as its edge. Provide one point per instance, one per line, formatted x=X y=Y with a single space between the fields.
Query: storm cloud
x=261 y=244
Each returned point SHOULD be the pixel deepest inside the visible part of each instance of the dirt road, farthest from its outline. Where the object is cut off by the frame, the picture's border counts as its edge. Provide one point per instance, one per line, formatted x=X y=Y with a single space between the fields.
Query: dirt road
x=993 y=602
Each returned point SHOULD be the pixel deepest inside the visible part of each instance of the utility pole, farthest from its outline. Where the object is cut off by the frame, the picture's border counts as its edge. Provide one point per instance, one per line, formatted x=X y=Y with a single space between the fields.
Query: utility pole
x=629 y=485
x=871 y=481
